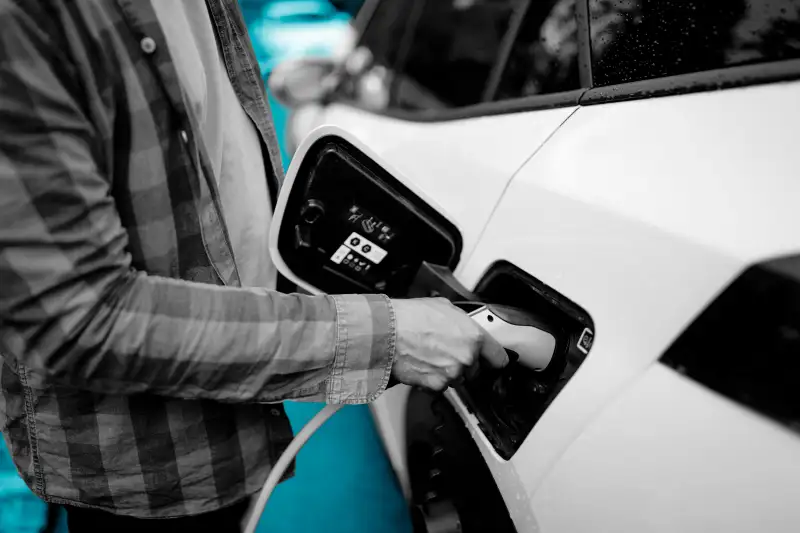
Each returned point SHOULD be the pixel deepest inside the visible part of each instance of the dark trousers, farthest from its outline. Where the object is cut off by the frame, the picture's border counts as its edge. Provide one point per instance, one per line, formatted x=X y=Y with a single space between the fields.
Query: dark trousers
x=228 y=520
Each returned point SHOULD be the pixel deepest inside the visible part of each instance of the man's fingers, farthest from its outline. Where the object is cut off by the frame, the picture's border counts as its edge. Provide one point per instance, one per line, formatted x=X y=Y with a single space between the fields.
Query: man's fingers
x=493 y=352
x=418 y=372
x=436 y=382
x=453 y=371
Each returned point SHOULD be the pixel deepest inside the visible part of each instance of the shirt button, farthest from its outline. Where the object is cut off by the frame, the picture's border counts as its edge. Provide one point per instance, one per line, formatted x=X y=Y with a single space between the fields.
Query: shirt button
x=184 y=136
x=148 y=45
x=275 y=412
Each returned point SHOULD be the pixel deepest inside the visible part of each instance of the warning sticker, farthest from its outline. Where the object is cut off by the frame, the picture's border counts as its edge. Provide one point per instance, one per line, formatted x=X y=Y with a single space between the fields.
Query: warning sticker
x=585 y=341
x=340 y=254
x=365 y=247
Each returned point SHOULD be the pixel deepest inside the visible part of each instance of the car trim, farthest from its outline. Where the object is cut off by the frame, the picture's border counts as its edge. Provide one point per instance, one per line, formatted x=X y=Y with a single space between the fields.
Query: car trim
x=530 y=103
x=724 y=78
x=582 y=20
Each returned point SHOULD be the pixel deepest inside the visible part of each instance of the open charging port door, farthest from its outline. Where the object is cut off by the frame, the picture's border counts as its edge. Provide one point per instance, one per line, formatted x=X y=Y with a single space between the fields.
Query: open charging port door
x=345 y=224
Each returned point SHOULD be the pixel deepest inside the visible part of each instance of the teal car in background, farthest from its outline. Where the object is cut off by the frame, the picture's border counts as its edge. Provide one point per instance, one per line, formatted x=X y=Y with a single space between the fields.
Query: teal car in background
x=289 y=29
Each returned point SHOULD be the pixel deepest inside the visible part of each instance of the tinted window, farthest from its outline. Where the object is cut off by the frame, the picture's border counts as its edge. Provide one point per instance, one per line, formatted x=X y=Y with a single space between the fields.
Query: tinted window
x=385 y=29
x=453 y=49
x=351 y=7
x=644 y=39
x=544 y=57
x=369 y=68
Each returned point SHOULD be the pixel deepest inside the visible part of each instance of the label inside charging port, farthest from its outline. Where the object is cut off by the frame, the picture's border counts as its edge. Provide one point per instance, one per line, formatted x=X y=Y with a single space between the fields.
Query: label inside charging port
x=365 y=247
x=340 y=254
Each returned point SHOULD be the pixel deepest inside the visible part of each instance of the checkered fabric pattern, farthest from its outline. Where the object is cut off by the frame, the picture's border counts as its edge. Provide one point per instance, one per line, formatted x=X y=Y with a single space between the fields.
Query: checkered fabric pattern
x=137 y=375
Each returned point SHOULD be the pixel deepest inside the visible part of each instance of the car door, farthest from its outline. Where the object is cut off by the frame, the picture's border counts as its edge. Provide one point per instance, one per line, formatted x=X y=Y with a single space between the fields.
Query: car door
x=665 y=207
x=655 y=230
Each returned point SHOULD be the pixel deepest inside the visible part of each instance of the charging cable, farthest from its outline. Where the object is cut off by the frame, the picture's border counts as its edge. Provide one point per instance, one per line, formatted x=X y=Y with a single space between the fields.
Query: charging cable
x=283 y=463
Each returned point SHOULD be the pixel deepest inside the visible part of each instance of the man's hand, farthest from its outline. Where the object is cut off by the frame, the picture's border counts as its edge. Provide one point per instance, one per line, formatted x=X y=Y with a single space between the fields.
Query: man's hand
x=437 y=342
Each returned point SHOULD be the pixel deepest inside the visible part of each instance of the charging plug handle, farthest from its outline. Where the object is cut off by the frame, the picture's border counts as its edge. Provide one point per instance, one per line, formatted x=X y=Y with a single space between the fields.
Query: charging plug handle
x=527 y=339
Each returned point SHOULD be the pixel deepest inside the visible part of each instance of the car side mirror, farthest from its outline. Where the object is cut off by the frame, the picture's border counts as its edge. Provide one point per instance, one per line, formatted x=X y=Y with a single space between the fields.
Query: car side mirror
x=297 y=82
x=346 y=222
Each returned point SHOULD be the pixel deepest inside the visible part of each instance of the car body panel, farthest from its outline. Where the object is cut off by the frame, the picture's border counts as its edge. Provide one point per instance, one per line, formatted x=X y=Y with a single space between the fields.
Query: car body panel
x=643 y=238
x=465 y=165
x=670 y=455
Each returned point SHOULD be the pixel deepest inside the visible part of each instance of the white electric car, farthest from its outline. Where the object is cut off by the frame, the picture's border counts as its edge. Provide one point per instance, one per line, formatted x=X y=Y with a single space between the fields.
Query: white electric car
x=626 y=174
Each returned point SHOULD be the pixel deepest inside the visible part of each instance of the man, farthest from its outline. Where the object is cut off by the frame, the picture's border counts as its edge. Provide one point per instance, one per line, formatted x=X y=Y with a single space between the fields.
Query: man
x=145 y=351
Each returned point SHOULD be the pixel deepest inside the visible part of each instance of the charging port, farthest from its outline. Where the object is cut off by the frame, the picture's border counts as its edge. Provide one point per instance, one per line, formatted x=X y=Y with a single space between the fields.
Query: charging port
x=509 y=402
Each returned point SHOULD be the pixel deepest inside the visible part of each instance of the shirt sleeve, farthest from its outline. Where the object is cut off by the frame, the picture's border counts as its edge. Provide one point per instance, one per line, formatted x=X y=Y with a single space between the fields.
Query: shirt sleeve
x=73 y=311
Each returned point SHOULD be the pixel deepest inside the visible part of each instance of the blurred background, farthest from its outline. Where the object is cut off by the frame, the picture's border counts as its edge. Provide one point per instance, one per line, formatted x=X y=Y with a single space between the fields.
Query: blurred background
x=344 y=482
x=291 y=29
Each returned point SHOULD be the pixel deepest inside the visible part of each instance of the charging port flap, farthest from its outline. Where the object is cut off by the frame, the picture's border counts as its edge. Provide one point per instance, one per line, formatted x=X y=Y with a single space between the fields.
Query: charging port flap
x=345 y=224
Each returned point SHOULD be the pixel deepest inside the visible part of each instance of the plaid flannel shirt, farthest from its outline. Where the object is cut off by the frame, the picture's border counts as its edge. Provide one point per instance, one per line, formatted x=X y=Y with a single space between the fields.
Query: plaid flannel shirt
x=137 y=375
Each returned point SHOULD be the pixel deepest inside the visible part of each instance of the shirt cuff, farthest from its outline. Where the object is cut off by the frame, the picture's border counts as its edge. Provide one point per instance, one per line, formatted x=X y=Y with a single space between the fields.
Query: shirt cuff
x=364 y=350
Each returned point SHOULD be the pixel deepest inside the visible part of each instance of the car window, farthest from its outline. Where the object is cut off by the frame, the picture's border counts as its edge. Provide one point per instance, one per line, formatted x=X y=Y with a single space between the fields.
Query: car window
x=351 y=7
x=636 y=40
x=369 y=68
x=544 y=56
x=452 y=51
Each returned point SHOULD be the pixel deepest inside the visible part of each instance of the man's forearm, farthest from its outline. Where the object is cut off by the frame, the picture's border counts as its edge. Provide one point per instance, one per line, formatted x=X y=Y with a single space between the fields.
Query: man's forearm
x=189 y=340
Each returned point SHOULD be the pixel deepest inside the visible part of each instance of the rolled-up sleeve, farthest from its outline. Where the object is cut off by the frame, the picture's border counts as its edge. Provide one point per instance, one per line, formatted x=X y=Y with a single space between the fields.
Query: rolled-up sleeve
x=364 y=348
x=74 y=311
